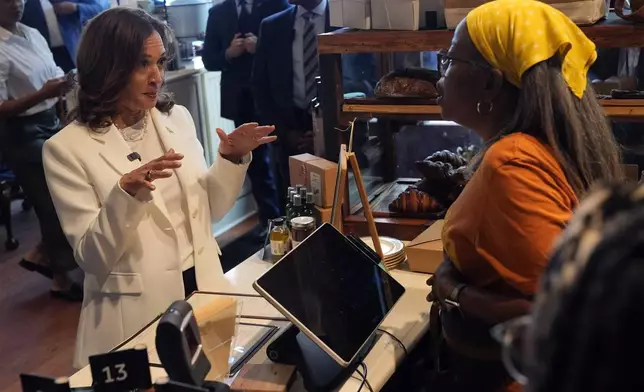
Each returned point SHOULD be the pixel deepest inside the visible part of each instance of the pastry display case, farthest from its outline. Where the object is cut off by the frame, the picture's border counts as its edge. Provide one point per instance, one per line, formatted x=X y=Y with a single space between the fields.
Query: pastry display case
x=394 y=135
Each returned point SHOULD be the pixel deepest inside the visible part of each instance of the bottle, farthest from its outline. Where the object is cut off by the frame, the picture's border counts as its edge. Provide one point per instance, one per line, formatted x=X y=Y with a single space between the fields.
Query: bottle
x=298 y=187
x=303 y=191
x=289 y=205
x=288 y=199
x=280 y=239
x=309 y=207
x=297 y=207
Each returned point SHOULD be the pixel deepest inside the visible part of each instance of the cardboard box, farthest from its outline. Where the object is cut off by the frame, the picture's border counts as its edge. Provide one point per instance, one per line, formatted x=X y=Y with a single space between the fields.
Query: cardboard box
x=323 y=215
x=297 y=168
x=317 y=174
x=322 y=175
x=405 y=14
x=425 y=252
x=350 y=13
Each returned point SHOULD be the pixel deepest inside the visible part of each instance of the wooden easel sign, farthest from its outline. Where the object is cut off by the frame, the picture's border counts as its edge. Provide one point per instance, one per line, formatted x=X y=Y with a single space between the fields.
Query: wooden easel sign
x=346 y=155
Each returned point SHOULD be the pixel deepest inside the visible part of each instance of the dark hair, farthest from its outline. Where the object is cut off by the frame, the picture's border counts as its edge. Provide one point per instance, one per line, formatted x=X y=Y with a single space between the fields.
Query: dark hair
x=588 y=324
x=576 y=129
x=109 y=51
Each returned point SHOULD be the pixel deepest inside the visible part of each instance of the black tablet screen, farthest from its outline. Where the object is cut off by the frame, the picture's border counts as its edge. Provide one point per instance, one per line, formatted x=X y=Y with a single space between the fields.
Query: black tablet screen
x=332 y=288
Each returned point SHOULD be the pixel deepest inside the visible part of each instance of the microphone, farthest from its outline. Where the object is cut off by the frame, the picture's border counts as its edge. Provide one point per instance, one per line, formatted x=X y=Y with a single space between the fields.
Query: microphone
x=133 y=156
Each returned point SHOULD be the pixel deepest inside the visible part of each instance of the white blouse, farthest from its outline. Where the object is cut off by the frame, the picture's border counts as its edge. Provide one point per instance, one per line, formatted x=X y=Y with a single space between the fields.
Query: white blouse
x=149 y=148
x=26 y=64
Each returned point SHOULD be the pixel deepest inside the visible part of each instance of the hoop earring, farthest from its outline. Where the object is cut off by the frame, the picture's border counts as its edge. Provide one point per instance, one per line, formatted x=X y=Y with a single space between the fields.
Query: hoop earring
x=490 y=108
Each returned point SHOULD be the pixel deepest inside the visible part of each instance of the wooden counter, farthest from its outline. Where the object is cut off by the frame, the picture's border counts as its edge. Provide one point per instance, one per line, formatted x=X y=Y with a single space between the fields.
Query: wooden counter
x=408 y=321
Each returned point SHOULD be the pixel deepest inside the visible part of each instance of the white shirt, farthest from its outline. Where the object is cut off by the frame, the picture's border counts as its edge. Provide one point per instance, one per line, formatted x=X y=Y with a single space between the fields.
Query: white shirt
x=171 y=192
x=26 y=63
x=299 y=84
x=249 y=6
x=55 y=36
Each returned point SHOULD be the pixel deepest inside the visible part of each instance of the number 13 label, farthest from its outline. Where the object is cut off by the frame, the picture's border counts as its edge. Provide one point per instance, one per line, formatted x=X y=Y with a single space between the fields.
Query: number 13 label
x=121 y=373
x=121 y=370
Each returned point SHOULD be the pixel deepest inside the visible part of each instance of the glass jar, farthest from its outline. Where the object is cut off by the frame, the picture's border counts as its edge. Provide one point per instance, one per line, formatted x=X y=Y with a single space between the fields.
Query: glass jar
x=301 y=227
x=279 y=237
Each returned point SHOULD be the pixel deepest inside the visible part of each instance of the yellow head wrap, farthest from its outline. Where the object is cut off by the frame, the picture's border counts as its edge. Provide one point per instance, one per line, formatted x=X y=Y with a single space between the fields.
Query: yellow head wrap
x=514 y=35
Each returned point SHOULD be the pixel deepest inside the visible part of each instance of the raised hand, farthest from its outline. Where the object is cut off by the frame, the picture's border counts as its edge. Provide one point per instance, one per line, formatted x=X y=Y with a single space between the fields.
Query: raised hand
x=244 y=139
x=144 y=176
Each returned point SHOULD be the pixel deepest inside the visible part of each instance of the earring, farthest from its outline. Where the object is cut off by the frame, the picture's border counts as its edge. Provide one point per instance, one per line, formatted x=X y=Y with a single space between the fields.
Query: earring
x=490 y=108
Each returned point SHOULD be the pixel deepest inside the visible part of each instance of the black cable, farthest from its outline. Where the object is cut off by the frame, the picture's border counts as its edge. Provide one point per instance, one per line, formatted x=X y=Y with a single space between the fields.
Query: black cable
x=364 y=377
x=400 y=343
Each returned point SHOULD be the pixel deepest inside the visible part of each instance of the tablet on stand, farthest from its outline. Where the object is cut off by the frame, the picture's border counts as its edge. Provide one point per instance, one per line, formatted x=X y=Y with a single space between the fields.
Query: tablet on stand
x=336 y=295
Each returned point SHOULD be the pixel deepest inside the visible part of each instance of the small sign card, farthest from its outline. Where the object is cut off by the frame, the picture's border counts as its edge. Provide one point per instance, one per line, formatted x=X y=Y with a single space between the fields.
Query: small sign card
x=120 y=371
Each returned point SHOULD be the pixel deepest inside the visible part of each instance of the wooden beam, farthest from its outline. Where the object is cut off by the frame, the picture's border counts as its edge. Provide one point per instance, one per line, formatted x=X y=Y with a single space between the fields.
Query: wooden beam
x=622 y=108
x=610 y=33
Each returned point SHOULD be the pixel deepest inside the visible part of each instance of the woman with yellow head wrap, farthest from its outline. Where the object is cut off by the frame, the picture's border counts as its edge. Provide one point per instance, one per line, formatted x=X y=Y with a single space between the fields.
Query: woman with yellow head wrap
x=516 y=74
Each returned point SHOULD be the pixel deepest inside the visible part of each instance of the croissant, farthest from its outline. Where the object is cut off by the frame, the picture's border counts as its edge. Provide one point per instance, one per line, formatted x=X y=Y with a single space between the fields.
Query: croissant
x=415 y=201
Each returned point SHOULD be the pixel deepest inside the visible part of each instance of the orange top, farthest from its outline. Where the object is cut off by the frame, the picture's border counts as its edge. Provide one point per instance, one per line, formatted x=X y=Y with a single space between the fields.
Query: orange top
x=500 y=230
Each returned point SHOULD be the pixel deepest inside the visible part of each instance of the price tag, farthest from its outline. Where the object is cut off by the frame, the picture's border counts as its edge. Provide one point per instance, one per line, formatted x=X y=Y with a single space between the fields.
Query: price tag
x=120 y=371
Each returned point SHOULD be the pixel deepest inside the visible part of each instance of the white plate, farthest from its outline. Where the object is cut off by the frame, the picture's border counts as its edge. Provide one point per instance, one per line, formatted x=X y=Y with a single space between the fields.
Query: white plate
x=391 y=247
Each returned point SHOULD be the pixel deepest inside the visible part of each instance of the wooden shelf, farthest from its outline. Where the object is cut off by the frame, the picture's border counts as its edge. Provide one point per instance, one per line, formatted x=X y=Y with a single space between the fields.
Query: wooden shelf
x=616 y=108
x=405 y=229
x=610 y=33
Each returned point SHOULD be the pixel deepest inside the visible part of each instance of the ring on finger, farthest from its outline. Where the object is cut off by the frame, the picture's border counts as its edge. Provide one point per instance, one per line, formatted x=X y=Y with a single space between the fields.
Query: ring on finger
x=148 y=176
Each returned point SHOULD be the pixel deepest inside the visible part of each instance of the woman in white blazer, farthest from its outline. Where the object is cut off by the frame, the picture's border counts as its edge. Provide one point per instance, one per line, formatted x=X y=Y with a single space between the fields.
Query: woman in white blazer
x=130 y=183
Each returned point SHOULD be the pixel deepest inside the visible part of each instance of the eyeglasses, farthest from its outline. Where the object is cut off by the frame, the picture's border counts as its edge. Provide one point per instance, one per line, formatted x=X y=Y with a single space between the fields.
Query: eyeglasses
x=514 y=346
x=445 y=60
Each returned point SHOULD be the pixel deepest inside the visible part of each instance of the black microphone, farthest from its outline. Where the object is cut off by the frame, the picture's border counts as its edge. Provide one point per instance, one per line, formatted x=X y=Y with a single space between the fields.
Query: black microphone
x=133 y=156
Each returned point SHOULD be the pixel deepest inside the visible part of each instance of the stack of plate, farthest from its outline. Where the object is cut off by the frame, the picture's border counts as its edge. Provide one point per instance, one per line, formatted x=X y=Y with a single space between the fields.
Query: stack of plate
x=393 y=251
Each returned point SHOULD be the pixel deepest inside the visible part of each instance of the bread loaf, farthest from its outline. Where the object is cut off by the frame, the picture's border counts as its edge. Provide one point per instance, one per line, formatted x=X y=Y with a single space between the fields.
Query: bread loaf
x=408 y=83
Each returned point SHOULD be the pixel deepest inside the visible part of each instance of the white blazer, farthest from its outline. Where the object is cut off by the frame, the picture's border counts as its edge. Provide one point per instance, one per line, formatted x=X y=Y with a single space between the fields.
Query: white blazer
x=129 y=277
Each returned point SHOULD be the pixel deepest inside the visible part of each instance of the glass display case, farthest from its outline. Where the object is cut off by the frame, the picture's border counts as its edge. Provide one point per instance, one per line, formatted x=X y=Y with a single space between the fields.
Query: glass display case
x=390 y=136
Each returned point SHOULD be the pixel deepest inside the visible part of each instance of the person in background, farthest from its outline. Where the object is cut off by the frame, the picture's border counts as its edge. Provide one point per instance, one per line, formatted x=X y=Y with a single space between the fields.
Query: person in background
x=284 y=72
x=516 y=74
x=61 y=23
x=584 y=331
x=130 y=183
x=30 y=86
x=229 y=47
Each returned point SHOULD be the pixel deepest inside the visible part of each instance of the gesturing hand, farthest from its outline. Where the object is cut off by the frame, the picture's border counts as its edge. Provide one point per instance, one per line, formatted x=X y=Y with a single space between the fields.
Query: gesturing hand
x=142 y=177
x=244 y=139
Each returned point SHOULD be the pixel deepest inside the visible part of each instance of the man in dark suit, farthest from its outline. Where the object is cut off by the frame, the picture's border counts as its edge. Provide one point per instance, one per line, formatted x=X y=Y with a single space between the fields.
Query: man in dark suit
x=61 y=23
x=284 y=72
x=229 y=47
x=286 y=65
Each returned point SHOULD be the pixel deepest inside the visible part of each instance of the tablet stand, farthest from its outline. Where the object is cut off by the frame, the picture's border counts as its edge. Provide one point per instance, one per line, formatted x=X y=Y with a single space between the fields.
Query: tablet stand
x=319 y=371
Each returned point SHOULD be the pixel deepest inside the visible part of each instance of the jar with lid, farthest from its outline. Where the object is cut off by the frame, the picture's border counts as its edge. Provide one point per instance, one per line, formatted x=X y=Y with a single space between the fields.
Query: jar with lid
x=279 y=237
x=301 y=227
